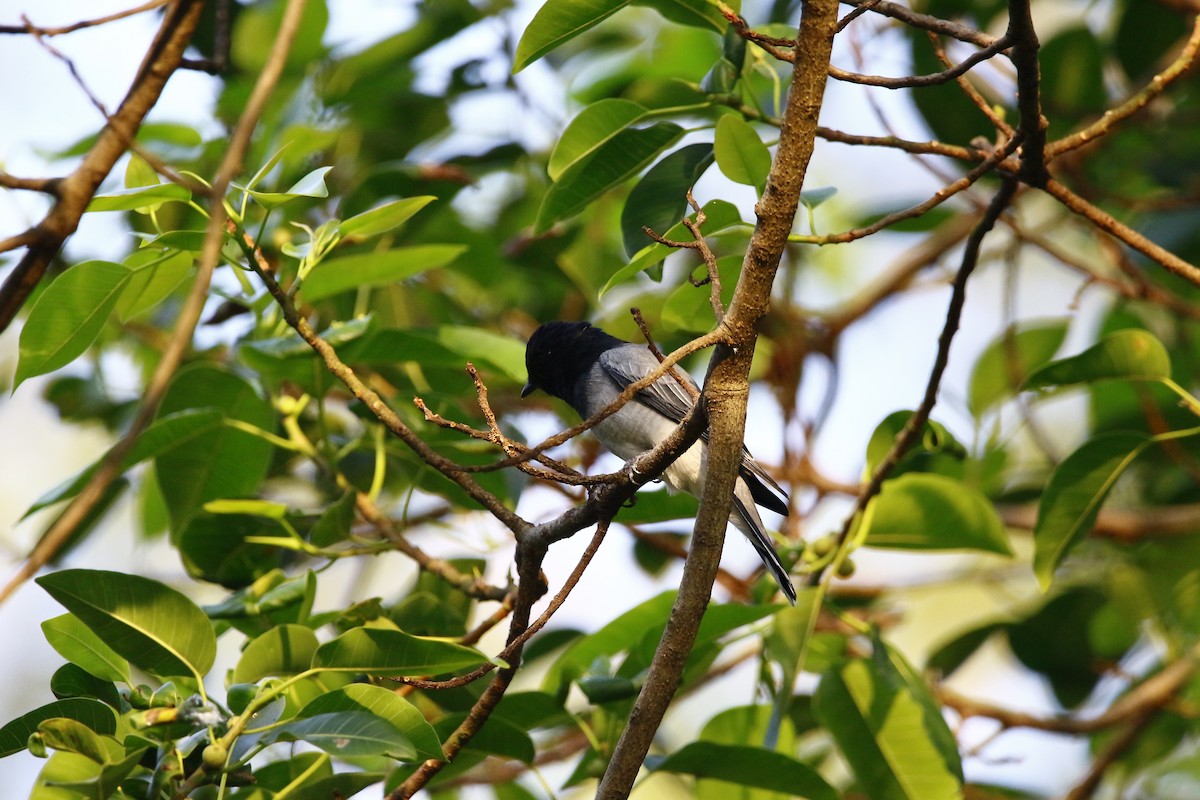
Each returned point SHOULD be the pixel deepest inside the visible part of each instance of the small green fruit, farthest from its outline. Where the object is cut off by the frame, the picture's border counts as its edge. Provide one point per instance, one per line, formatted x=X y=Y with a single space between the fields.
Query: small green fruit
x=214 y=756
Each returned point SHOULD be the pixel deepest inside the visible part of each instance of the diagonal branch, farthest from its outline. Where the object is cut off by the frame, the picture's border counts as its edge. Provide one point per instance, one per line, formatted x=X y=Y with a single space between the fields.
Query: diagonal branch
x=726 y=392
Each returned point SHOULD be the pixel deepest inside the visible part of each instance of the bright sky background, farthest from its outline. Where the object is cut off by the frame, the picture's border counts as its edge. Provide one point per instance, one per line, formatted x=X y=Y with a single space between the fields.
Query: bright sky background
x=884 y=366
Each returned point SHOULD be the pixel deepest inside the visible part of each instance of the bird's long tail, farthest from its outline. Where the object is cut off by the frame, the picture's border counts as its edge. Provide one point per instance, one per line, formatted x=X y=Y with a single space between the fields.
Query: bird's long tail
x=745 y=518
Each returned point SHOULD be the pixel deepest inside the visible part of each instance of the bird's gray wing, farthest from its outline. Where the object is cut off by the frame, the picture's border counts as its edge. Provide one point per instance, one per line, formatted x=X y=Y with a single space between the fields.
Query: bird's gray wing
x=631 y=363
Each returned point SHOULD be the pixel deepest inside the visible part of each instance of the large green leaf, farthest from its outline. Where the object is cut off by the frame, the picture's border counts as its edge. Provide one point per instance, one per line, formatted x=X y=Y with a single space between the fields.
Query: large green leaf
x=376 y=651
x=76 y=642
x=384 y=218
x=557 y=22
x=925 y=511
x=1006 y=362
x=218 y=463
x=14 y=736
x=719 y=215
x=385 y=704
x=155 y=276
x=140 y=198
x=893 y=737
x=591 y=128
x=163 y=434
x=1131 y=354
x=740 y=152
x=659 y=200
x=1075 y=493
x=748 y=766
x=376 y=269
x=155 y=627
x=609 y=165
x=448 y=346
x=347 y=734
x=311 y=185
x=283 y=650
x=68 y=316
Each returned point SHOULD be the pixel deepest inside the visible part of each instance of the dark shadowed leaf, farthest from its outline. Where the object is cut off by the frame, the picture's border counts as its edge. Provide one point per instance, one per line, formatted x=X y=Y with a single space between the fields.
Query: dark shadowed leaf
x=659 y=200
x=746 y=766
x=1075 y=493
x=609 y=165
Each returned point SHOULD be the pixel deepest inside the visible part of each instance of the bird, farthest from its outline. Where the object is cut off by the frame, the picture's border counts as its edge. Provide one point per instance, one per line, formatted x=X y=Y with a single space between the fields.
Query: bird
x=588 y=368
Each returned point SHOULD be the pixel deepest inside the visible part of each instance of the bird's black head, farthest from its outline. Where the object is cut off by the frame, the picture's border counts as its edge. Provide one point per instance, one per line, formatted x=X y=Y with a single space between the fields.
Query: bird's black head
x=560 y=353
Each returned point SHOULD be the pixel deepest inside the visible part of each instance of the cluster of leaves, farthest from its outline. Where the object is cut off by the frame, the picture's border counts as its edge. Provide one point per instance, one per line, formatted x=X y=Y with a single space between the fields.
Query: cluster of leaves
x=385 y=254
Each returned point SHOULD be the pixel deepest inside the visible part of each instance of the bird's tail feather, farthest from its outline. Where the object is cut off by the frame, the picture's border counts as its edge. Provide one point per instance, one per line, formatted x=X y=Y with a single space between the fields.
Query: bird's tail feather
x=746 y=519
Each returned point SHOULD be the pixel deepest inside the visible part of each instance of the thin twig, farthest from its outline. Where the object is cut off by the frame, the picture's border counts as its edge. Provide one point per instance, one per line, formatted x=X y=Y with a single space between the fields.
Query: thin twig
x=912 y=81
x=37 y=30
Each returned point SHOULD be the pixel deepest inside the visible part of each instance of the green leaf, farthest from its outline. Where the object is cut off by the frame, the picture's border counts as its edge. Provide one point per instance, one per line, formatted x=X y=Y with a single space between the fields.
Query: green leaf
x=346 y=734
x=740 y=152
x=375 y=651
x=924 y=511
x=221 y=462
x=1075 y=493
x=155 y=276
x=1005 y=364
x=95 y=715
x=76 y=642
x=934 y=450
x=376 y=269
x=697 y=13
x=894 y=738
x=448 y=346
x=609 y=165
x=311 y=185
x=719 y=216
x=73 y=736
x=384 y=218
x=140 y=198
x=139 y=173
x=282 y=650
x=163 y=434
x=385 y=704
x=68 y=316
x=155 y=627
x=68 y=776
x=590 y=129
x=659 y=200
x=71 y=680
x=751 y=767
x=1131 y=354
x=812 y=198
x=557 y=22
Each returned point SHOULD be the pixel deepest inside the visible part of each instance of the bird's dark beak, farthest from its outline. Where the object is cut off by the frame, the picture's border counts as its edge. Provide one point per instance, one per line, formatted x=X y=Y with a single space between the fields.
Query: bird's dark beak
x=528 y=390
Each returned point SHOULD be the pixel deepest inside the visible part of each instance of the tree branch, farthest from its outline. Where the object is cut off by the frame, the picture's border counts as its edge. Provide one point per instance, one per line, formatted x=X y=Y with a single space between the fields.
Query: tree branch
x=726 y=392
